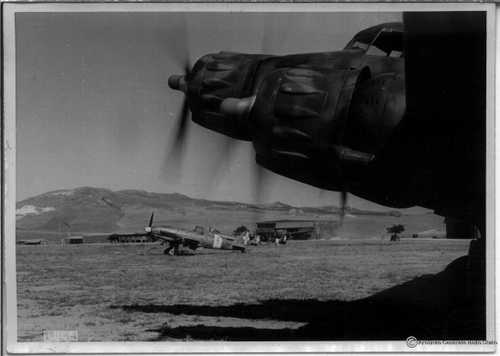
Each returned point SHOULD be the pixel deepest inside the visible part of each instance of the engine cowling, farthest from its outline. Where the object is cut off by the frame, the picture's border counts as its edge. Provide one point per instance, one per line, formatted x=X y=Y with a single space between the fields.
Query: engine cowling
x=318 y=118
x=322 y=126
x=216 y=77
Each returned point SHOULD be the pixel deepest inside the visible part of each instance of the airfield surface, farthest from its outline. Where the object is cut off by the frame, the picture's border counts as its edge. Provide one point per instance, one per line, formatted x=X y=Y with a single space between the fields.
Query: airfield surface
x=118 y=292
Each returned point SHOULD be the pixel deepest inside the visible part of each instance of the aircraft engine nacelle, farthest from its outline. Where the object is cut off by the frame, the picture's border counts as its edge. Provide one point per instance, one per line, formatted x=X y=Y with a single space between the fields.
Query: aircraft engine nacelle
x=214 y=78
x=320 y=118
x=322 y=126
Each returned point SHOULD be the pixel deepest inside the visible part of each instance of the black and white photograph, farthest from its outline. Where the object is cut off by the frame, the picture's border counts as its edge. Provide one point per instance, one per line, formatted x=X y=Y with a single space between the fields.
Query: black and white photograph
x=290 y=178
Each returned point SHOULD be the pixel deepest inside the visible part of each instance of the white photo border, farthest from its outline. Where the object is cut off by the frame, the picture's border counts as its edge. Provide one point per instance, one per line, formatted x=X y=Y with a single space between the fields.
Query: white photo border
x=9 y=302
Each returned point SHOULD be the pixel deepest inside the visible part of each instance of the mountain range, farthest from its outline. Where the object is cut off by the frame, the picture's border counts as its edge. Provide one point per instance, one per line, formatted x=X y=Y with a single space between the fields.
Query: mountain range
x=89 y=209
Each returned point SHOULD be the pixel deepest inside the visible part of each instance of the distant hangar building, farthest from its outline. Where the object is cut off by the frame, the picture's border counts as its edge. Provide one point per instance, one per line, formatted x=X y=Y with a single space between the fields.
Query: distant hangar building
x=32 y=242
x=129 y=238
x=85 y=239
x=72 y=240
x=296 y=229
x=93 y=238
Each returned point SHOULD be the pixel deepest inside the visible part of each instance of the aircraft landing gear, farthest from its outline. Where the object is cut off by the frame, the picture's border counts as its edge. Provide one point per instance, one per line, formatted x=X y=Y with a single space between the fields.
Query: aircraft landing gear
x=239 y=248
x=172 y=250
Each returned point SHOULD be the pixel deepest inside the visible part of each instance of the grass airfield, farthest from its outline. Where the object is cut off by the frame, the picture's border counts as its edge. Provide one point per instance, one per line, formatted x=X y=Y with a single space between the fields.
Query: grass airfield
x=119 y=292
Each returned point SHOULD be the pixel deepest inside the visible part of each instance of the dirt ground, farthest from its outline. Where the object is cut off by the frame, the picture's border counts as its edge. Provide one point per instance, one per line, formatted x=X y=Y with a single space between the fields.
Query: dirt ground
x=118 y=292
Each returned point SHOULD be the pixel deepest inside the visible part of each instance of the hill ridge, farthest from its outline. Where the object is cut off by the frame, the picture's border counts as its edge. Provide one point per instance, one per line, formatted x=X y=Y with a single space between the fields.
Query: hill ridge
x=95 y=209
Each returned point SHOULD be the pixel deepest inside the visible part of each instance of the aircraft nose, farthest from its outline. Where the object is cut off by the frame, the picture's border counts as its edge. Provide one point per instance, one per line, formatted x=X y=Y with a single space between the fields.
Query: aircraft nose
x=177 y=82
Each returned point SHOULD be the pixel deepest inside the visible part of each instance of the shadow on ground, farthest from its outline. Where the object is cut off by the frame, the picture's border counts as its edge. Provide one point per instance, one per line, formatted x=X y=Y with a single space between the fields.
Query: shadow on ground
x=436 y=307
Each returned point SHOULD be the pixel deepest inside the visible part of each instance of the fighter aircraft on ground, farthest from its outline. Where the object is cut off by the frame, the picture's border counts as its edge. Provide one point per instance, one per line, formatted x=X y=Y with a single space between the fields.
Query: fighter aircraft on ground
x=174 y=238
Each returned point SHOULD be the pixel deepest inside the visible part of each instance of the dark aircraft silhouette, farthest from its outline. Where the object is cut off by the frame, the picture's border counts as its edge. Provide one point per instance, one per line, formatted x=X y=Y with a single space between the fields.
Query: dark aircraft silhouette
x=397 y=117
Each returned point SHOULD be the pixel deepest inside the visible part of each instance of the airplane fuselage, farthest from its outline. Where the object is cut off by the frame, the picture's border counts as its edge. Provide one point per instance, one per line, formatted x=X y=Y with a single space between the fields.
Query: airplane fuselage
x=193 y=240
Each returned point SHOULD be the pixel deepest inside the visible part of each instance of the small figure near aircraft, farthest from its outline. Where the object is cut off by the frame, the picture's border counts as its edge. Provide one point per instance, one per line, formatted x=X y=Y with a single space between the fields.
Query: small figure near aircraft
x=175 y=238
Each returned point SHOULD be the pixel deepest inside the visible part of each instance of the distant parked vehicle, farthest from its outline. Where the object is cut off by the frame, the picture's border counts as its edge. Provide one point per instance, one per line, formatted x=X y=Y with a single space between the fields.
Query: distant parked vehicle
x=32 y=242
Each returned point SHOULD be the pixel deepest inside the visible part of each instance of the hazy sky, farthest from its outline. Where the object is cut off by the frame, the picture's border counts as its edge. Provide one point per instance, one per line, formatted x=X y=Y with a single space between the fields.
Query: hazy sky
x=94 y=107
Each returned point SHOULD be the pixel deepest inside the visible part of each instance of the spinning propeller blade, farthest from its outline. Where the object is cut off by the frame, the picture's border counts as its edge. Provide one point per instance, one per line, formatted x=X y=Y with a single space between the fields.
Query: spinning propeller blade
x=180 y=56
x=148 y=228
x=151 y=219
x=343 y=205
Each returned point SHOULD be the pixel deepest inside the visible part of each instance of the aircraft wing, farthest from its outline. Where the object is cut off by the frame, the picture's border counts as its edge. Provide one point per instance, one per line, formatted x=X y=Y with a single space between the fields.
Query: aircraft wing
x=164 y=238
x=169 y=234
